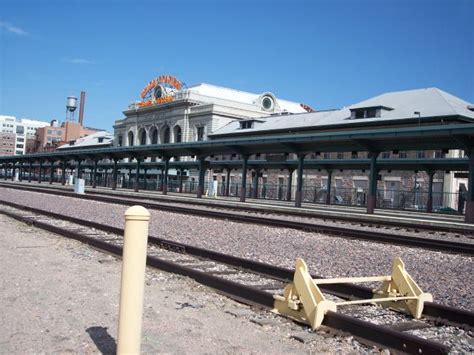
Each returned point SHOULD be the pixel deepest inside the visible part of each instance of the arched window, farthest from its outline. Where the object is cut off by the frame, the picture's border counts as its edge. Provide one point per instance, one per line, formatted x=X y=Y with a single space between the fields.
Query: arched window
x=153 y=139
x=177 y=134
x=143 y=137
x=130 y=138
x=166 y=135
x=154 y=136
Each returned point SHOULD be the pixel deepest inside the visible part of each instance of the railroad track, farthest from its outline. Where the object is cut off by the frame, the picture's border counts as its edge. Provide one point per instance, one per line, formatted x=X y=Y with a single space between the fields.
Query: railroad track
x=347 y=232
x=352 y=218
x=248 y=281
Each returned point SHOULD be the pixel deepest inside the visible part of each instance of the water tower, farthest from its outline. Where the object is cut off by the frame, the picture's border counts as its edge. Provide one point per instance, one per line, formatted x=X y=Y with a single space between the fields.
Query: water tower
x=70 y=108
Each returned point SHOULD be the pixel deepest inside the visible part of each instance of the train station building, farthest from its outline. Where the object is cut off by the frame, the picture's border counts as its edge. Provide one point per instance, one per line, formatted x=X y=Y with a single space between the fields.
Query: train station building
x=170 y=113
x=410 y=149
x=181 y=114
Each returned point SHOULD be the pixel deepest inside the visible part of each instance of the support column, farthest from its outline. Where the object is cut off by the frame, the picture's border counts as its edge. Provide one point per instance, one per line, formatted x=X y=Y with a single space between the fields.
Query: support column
x=114 y=175
x=79 y=170
x=243 y=190
x=227 y=187
x=429 y=204
x=299 y=181
x=40 y=172
x=63 y=173
x=137 y=175
x=5 y=168
x=51 y=172
x=328 y=192
x=255 y=184
x=30 y=171
x=469 y=218
x=165 y=176
x=162 y=175
x=290 y=184
x=13 y=171
x=372 y=199
x=106 y=176
x=94 y=175
x=202 y=171
x=144 y=178
x=181 y=172
x=20 y=176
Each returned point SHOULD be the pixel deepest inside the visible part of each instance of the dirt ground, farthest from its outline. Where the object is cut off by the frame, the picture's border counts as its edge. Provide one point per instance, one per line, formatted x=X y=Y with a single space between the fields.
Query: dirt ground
x=60 y=296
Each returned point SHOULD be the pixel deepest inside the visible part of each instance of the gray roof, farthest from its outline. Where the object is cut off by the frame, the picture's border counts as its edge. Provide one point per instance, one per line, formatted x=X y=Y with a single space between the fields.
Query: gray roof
x=97 y=139
x=430 y=102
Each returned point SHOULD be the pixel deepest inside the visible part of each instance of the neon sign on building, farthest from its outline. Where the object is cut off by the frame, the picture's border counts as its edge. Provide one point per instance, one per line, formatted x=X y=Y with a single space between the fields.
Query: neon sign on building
x=159 y=91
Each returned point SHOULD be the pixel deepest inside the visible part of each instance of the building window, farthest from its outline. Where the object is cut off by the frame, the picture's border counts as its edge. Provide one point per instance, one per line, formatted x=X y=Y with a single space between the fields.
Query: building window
x=340 y=155
x=200 y=133
x=385 y=155
x=154 y=136
x=120 y=140
x=327 y=155
x=143 y=138
x=130 y=139
x=402 y=155
x=360 y=114
x=166 y=135
x=366 y=113
x=439 y=154
x=420 y=154
x=267 y=103
x=246 y=124
x=177 y=134
x=372 y=112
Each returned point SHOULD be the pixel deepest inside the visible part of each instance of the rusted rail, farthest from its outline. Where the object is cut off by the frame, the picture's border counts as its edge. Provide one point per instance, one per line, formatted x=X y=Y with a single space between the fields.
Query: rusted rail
x=374 y=236
x=365 y=331
x=452 y=315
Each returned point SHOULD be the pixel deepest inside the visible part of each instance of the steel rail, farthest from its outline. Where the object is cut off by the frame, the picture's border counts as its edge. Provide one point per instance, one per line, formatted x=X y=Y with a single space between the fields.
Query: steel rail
x=248 y=207
x=453 y=315
x=362 y=330
x=379 y=237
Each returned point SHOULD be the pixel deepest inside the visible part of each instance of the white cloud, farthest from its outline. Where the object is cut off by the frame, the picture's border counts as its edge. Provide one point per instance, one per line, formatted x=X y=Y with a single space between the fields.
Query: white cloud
x=78 y=61
x=13 y=29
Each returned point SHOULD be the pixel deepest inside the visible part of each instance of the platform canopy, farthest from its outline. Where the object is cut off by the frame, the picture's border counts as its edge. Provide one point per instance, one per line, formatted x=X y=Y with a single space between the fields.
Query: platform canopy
x=435 y=137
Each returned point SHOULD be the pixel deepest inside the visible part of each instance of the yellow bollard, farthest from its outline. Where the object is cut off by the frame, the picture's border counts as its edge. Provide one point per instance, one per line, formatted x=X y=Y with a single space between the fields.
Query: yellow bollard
x=133 y=280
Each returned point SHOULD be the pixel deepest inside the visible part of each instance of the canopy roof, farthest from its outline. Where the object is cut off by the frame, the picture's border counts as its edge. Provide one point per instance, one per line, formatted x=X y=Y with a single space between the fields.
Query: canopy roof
x=453 y=136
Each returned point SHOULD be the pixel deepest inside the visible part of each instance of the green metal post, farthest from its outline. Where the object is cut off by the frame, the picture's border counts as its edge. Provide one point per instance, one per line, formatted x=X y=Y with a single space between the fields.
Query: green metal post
x=299 y=181
x=372 y=199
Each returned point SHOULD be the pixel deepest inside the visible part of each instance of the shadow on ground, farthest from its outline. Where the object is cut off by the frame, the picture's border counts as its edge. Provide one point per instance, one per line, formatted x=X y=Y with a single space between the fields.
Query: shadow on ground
x=102 y=339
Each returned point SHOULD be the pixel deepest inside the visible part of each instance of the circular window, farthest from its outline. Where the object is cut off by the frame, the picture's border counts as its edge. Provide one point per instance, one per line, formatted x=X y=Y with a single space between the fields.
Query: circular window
x=157 y=92
x=267 y=103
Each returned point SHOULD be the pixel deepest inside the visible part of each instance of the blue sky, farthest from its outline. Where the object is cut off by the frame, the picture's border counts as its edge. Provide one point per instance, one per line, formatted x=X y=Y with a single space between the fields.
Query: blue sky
x=327 y=54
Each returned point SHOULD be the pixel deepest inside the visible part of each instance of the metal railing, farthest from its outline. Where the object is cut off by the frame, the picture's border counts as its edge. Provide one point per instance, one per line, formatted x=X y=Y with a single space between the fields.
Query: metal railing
x=442 y=202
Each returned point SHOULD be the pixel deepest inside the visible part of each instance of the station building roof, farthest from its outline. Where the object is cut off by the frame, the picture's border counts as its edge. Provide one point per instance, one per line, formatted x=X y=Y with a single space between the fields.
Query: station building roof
x=419 y=106
x=99 y=139
x=244 y=97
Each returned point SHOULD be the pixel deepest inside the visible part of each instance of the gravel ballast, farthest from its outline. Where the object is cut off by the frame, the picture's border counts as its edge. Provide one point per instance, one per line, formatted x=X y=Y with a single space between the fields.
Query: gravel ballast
x=448 y=277
x=61 y=297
